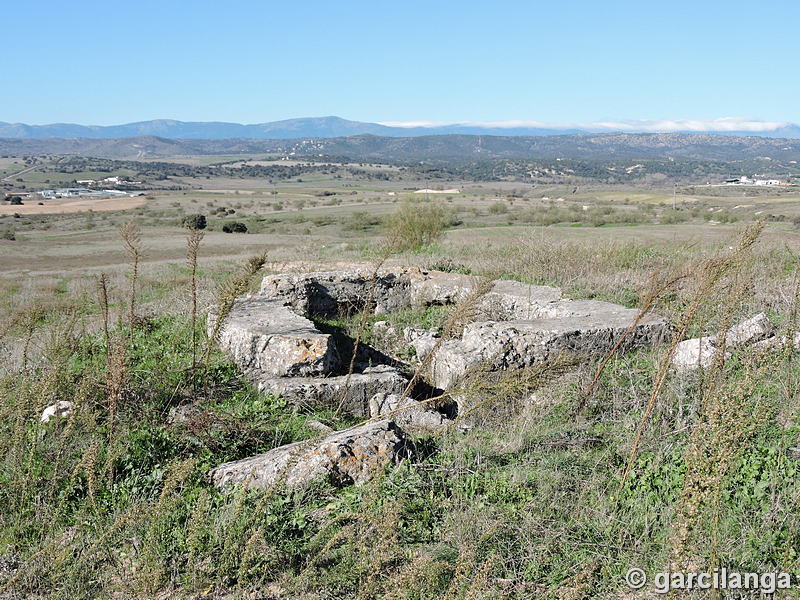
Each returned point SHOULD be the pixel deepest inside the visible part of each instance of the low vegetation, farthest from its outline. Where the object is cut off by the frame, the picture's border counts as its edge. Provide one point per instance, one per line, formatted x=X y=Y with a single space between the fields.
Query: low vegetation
x=543 y=490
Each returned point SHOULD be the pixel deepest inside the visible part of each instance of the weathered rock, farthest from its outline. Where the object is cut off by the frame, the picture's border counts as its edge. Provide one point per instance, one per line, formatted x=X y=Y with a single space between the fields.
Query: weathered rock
x=354 y=456
x=422 y=340
x=769 y=344
x=777 y=342
x=514 y=325
x=752 y=330
x=695 y=353
x=266 y=337
x=517 y=344
x=334 y=293
x=60 y=409
x=319 y=426
x=756 y=332
x=412 y=416
x=329 y=391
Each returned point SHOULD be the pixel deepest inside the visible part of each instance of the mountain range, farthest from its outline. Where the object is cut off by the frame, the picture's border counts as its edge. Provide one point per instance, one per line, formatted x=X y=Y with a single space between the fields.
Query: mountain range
x=769 y=152
x=334 y=127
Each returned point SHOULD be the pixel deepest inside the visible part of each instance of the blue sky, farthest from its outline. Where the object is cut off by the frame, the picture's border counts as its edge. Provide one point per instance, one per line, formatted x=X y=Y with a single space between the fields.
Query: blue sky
x=554 y=62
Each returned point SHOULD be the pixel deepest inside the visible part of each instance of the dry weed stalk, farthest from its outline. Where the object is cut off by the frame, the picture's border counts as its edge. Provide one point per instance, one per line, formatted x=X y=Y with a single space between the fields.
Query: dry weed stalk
x=657 y=287
x=362 y=324
x=731 y=412
x=102 y=290
x=227 y=292
x=731 y=416
x=458 y=317
x=709 y=273
x=31 y=319
x=193 y=239
x=132 y=240
x=117 y=375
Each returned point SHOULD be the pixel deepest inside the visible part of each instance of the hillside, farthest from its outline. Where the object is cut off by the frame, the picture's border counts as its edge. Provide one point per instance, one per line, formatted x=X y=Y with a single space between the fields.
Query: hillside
x=606 y=146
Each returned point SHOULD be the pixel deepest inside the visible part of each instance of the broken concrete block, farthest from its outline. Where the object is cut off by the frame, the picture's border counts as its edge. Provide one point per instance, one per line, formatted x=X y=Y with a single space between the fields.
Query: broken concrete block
x=267 y=338
x=60 y=409
x=336 y=293
x=422 y=340
x=329 y=392
x=412 y=416
x=351 y=456
x=518 y=344
x=752 y=330
x=695 y=353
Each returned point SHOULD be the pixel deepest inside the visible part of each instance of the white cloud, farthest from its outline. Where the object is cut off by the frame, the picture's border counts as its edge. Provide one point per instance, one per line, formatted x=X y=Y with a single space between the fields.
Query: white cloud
x=721 y=124
x=414 y=123
x=645 y=125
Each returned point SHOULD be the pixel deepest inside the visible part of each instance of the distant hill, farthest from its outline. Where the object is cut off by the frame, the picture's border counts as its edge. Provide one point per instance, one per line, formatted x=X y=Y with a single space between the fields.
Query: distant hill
x=605 y=146
x=314 y=127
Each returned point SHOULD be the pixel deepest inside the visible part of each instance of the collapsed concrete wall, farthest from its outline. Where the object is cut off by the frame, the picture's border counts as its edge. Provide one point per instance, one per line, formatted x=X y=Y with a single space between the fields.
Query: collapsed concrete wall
x=512 y=325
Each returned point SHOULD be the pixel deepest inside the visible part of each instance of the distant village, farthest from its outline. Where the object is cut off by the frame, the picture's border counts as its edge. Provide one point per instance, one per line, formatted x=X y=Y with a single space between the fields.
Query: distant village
x=744 y=180
x=86 y=190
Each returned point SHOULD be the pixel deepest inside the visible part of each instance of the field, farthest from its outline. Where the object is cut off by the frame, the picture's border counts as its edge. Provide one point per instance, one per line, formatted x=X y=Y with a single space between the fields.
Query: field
x=550 y=495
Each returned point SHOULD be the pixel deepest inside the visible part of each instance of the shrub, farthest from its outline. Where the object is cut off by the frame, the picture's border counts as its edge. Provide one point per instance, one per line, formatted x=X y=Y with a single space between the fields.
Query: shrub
x=235 y=227
x=498 y=208
x=15 y=201
x=361 y=220
x=195 y=221
x=416 y=224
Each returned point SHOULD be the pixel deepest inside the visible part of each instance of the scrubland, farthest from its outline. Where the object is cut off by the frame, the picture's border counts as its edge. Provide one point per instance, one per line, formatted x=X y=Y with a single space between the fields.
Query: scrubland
x=564 y=479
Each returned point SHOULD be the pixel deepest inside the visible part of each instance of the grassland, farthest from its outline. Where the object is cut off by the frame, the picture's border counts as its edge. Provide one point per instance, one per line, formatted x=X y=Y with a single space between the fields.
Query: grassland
x=530 y=502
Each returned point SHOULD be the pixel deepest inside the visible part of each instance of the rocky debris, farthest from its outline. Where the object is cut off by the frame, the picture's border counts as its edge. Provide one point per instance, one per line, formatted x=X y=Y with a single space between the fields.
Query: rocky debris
x=752 y=330
x=351 y=456
x=776 y=342
x=60 y=409
x=422 y=340
x=695 y=353
x=334 y=293
x=518 y=344
x=267 y=338
x=412 y=416
x=513 y=325
x=329 y=391
x=756 y=332
x=319 y=426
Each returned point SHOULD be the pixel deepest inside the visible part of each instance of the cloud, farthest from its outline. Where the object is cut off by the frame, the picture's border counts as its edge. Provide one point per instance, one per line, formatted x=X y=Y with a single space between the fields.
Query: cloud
x=414 y=123
x=720 y=124
x=646 y=125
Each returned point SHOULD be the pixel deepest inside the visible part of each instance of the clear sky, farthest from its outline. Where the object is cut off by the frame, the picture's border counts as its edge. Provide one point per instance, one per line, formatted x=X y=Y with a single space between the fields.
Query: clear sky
x=112 y=62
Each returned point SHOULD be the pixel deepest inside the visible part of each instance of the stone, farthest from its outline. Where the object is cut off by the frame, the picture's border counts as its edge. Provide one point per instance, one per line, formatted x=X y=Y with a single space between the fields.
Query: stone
x=412 y=416
x=513 y=325
x=422 y=340
x=518 y=344
x=752 y=330
x=60 y=409
x=756 y=332
x=327 y=392
x=268 y=338
x=695 y=353
x=351 y=456
x=336 y=293
x=319 y=426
